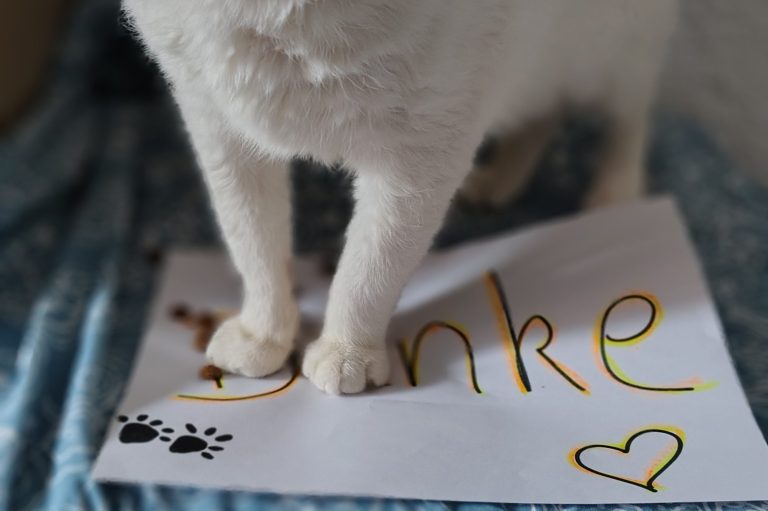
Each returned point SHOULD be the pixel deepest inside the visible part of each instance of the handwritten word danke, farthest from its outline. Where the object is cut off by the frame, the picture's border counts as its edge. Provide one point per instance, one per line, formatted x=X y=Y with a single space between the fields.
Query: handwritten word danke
x=512 y=339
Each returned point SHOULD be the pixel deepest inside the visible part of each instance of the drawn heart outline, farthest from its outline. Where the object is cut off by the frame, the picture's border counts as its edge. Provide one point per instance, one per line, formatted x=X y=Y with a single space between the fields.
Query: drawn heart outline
x=624 y=447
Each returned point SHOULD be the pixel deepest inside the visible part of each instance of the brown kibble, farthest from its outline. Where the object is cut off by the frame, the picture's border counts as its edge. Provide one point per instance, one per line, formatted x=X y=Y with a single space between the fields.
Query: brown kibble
x=179 y=311
x=202 y=339
x=206 y=321
x=211 y=372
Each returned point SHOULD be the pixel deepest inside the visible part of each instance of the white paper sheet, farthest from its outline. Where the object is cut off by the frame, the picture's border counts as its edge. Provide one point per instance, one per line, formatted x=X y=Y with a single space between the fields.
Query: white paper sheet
x=476 y=431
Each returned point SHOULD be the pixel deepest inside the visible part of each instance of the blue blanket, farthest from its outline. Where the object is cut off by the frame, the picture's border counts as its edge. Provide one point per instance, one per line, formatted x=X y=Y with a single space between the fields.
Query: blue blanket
x=98 y=181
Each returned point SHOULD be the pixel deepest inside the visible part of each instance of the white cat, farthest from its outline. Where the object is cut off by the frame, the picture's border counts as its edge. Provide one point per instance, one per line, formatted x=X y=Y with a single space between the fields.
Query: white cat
x=402 y=92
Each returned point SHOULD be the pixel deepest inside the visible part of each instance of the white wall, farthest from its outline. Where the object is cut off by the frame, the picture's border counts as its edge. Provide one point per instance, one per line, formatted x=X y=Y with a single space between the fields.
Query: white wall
x=718 y=73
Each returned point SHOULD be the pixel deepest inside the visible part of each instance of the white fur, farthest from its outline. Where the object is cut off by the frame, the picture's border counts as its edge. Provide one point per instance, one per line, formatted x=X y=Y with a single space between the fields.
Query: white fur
x=400 y=91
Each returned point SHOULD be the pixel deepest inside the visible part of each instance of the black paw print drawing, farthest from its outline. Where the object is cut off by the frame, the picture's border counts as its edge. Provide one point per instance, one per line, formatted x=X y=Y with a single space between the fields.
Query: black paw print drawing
x=140 y=431
x=202 y=444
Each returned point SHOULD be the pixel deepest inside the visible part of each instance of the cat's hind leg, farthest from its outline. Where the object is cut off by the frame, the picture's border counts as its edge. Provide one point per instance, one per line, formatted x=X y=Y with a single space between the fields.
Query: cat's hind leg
x=502 y=175
x=620 y=174
x=626 y=103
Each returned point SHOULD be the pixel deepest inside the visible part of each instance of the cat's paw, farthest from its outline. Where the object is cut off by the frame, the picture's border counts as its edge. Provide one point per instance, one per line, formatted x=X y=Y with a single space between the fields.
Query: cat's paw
x=616 y=186
x=235 y=349
x=339 y=368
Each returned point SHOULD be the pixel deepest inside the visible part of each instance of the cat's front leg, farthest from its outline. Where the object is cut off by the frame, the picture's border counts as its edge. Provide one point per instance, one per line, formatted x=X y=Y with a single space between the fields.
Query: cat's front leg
x=251 y=197
x=252 y=202
x=400 y=204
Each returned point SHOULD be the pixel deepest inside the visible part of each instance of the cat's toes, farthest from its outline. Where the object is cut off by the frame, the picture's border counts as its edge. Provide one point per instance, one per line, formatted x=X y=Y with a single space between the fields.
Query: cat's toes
x=343 y=369
x=614 y=189
x=236 y=350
